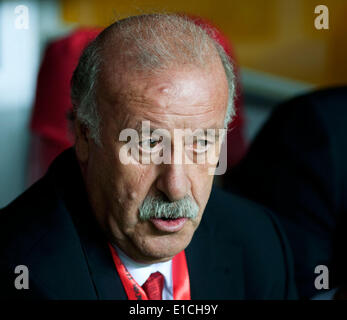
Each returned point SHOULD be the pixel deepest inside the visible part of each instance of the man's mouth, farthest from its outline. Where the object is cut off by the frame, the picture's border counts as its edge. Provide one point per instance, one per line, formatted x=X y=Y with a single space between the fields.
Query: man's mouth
x=169 y=225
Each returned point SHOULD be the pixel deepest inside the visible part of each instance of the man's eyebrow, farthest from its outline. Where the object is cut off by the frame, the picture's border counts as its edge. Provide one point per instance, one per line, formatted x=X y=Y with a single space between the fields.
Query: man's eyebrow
x=138 y=127
x=211 y=132
x=208 y=132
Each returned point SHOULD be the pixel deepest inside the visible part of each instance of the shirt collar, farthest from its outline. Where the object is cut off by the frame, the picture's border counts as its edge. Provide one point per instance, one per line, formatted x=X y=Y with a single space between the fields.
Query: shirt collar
x=141 y=271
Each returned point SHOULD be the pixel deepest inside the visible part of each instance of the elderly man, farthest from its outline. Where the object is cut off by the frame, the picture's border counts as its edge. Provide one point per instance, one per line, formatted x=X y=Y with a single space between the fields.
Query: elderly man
x=114 y=217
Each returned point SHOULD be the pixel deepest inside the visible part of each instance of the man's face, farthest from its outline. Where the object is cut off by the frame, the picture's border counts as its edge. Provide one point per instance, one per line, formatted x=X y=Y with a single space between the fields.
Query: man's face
x=179 y=98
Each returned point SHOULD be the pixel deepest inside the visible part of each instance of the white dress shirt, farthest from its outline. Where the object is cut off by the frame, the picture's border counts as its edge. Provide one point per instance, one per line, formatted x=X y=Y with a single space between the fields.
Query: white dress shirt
x=140 y=272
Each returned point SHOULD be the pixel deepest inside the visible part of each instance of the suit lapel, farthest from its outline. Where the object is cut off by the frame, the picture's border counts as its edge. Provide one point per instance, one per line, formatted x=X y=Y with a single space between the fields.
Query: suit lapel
x=102 y=270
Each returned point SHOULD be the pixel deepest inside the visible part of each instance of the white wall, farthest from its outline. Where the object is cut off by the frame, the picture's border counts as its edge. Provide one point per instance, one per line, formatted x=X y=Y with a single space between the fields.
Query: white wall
x=19 y=56
x=20 y=51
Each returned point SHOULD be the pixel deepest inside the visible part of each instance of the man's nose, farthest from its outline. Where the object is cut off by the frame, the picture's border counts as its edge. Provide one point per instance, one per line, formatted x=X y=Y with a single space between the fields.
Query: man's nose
x=173 y=181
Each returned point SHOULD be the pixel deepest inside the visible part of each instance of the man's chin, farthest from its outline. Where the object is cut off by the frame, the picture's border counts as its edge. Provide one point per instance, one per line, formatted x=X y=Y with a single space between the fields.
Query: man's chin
x=164 y=247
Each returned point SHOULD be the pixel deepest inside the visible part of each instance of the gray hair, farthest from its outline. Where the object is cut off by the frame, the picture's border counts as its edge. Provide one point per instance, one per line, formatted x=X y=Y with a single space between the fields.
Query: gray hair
x=158 y=207
x=152 y=43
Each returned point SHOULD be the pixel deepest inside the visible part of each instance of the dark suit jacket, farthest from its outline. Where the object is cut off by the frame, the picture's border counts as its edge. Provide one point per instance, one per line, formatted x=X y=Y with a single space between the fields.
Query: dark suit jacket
x=297 y=166
x=238 y=251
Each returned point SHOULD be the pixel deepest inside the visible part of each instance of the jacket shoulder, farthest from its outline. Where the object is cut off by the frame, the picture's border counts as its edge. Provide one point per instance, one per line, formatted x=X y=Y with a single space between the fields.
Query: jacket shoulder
x=267 y=257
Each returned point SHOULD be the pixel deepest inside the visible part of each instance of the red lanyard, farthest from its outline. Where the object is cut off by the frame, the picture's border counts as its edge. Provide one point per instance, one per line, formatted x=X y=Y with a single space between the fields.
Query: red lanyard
x=180 y=278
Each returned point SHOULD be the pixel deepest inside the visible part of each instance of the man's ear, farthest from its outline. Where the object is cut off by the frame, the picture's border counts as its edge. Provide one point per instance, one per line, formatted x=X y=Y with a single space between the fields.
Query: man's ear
x=82 y=141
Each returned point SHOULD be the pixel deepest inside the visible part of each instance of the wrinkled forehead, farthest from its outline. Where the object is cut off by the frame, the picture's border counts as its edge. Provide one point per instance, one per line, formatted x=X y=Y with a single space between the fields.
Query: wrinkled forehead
x=180 y=89
x=179 y=85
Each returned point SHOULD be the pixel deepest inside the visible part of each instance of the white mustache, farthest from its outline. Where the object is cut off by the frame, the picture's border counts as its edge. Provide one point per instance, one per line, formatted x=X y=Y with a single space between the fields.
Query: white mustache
x=157 y=207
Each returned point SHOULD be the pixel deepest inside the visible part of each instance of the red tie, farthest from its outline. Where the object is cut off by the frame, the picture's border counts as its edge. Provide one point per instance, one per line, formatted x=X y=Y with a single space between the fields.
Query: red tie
x=154 y=286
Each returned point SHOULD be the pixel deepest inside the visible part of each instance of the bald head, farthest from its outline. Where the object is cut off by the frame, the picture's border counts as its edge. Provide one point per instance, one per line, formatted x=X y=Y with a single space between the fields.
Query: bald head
x=147 y=44
x=152 y=43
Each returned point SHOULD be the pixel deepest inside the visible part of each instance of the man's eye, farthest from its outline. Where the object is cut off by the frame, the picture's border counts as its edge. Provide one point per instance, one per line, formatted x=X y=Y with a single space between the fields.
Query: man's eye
x=149 y=144
x=202 y=145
